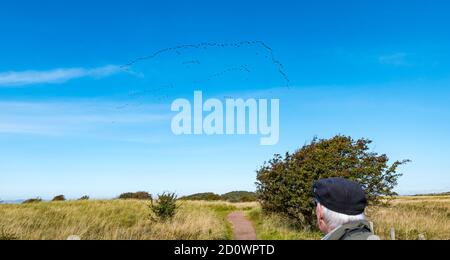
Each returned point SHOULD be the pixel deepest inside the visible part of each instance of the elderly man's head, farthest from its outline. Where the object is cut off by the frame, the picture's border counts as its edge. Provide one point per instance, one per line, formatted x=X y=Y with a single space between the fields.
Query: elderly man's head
x=339 y=201
x=329 y=220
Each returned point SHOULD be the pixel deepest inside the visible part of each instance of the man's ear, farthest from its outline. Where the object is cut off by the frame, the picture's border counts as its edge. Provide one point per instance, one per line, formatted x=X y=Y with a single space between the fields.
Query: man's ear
x=320 y=211
x=320 y=218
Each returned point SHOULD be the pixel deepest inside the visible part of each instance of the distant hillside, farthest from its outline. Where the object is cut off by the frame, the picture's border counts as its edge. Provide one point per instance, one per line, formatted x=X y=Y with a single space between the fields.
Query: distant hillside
x=240 y=196
x=235 y=196
x=434 y=194
x=208 y=196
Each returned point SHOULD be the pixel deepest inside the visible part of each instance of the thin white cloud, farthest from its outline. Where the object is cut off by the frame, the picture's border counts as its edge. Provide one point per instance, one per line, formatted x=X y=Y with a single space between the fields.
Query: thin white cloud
x=23 y=78
x=27 y=129
x=98 y=119
x=396 y=59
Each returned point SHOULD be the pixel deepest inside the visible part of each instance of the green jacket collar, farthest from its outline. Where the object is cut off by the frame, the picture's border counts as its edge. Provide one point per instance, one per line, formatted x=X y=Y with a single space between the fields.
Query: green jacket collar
x=341 y=232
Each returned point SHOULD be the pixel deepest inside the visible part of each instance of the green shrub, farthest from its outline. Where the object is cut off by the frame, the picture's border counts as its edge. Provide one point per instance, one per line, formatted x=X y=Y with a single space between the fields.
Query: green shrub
x=165 y=207
x=207 y=196
x=142 y=195
x=59 y=198
x=84 y=198
x=285 y=183
x=240 y=196
x=30 y=201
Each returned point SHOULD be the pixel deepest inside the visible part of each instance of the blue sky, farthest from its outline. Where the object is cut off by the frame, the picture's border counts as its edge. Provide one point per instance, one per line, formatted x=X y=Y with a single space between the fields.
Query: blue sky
x=74 y=121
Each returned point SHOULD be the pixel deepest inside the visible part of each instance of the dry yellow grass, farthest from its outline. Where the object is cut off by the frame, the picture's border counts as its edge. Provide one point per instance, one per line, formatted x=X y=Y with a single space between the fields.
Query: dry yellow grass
x=275 y=227
x=109 y=220
x=123 y=220
x=411 y=216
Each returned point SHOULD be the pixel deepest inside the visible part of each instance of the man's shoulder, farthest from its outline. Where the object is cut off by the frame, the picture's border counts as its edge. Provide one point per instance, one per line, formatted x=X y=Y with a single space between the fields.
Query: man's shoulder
x=358 y=230
x=362 y=235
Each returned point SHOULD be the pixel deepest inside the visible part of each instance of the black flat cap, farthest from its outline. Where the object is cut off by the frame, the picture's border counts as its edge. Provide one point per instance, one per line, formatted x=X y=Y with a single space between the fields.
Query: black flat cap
x=340 y=195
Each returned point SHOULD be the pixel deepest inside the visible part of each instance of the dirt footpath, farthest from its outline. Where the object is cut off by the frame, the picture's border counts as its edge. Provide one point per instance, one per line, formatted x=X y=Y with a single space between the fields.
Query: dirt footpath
x=242 y=227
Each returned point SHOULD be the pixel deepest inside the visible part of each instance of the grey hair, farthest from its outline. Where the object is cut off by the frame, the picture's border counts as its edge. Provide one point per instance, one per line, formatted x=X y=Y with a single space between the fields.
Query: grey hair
x=335 y=220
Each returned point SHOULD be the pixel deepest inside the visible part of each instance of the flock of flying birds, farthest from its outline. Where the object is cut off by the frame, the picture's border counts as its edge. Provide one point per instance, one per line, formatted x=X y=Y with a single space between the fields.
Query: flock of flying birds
x=160 y=93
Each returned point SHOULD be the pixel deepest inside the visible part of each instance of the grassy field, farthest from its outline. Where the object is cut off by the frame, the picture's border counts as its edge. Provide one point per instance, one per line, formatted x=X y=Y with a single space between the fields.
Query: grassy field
x=117 y=219
x=130 y=219
x=411 y=216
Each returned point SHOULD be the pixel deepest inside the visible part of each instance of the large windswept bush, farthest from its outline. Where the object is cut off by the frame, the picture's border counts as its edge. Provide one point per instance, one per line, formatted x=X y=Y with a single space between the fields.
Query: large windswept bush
x=285 y=183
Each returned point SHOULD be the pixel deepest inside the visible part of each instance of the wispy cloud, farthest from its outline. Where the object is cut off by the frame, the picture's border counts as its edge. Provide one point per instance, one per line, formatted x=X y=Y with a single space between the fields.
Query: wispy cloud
x=27 y=129
x=396 y=59
x=22 y=78
x=93 y=119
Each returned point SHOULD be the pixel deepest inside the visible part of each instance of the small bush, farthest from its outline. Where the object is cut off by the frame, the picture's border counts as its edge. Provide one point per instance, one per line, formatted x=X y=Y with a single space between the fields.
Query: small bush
x=84 y=198
x=30 y=201
x=59 y=198
x=165 y=207
x=142 y=195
